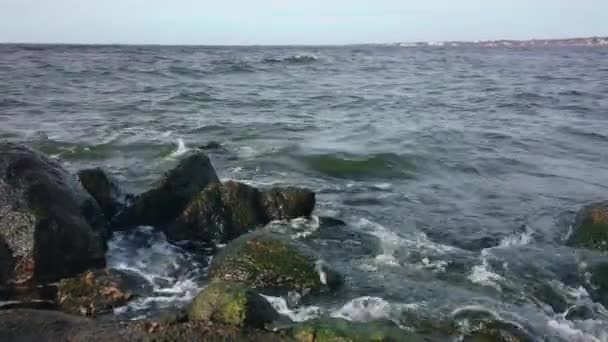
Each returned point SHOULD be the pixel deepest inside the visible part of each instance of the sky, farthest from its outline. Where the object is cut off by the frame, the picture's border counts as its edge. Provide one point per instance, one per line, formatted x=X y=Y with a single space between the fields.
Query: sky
x=285 y=22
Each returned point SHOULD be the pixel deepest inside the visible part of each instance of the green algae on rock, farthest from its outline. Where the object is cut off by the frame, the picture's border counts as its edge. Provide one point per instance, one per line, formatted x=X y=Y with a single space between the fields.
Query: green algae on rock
x=231 y=303
x=591 y=227
x=340 y=330
x=265 y=261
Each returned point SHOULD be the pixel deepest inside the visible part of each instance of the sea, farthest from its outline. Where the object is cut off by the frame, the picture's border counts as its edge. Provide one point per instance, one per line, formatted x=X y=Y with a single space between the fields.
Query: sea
x=457 y=170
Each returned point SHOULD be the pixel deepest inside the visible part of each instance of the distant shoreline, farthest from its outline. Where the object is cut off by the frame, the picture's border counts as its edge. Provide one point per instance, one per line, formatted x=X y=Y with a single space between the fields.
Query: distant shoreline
x=574 y=42
x=586 y=41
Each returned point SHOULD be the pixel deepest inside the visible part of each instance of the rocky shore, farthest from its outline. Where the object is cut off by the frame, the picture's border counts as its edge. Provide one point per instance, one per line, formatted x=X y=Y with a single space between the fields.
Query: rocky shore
x=54 y=229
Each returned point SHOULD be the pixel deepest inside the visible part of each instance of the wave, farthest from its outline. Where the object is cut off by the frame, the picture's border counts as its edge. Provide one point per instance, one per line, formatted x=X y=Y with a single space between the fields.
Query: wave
x=382 y=165
x=295 y=59
x=180 y=150
x=172 y=272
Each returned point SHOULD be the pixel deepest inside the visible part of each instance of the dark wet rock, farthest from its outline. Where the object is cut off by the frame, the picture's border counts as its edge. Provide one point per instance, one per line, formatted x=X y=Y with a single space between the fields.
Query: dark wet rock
x=168 y=199
x=590 y=229
x=31 y=304
x=40 y=325
x=50 y=227
x=268 y=262
x=220 y=213
x=580 y=312
x=99 y=292
x=103 y=189
x=212 y=145
x=288 y=203
x=547 y=294
x=231 y=303
x=333 y=329
x=329 y=222
x=598 y=282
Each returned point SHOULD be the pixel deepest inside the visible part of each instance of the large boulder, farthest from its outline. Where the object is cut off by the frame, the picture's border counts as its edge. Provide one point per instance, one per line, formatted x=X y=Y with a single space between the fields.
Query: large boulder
x=271 y=263
x=231 y=303
x=590 y=229
x=50 y=227
x=220 y=213
x=103 y=189
x=223 y=212
x=98 y=292
x=288 y=203
x=168 y=199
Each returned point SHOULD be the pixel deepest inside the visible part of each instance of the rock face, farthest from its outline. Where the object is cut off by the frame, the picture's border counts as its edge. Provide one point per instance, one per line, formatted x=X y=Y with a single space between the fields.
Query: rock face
x=101 y=187
x=221 y=212
x=97 y=292
x=288 y=203
x=263 y=261
x=591 y=227
x=233 y=304
x=50 y=227
x=168 y=199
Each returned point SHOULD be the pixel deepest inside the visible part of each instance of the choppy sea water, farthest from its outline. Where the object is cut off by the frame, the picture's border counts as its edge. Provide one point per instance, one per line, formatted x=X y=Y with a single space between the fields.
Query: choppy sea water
x=458 y=170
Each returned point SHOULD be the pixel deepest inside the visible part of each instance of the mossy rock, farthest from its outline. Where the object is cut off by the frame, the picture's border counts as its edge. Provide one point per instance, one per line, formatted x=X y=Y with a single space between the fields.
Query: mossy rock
x=220 y=213
x=98 y=292
x=591 y=227
x=231 y=303
x=265 y=261
x=497 y=331
x=340 y=330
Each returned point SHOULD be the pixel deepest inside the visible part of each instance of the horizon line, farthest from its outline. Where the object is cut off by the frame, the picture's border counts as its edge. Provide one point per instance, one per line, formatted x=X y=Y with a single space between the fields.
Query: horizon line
x=307 y=45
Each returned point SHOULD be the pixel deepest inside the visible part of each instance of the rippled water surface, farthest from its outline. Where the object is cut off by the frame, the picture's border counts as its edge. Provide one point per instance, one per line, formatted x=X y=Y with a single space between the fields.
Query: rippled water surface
x=458 y=170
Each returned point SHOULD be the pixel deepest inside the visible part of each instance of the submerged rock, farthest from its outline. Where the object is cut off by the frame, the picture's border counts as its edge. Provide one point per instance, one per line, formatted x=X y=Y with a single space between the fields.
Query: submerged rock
x=265 y=261
x=221 y=212
x=231 y=303
x=334 y=329
x=103 y=189
x=99 y=292
x=591 y=227
x=50 y=227
x=168 y=199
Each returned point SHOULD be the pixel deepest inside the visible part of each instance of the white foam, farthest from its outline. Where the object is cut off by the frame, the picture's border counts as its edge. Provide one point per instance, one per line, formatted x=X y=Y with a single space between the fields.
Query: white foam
x=482 y=274
x=365 y=309
x=518 y=239
x=300 y=314
x=171 y=271
x=181 y=148
x=568 y=332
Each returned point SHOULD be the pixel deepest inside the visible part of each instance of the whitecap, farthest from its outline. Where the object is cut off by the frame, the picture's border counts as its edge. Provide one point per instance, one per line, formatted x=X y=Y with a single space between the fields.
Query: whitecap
x=517 y=239
x=299 y=314
x=181 y=149
x=366 y=309
x=566 y=330
x=483 y=275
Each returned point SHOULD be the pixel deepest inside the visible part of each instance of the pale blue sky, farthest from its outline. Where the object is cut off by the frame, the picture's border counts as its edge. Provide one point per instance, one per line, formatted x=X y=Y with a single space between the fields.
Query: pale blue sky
x=295 y=21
